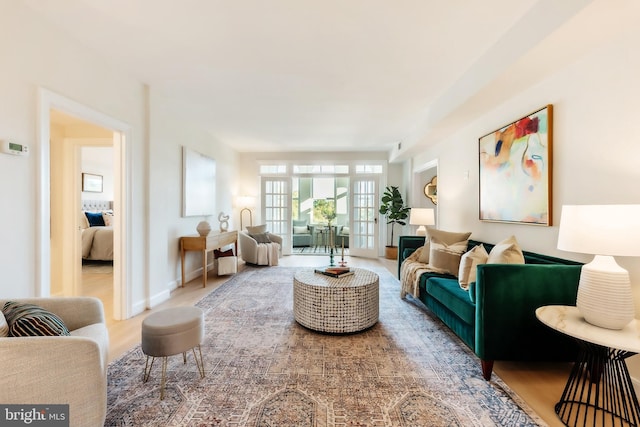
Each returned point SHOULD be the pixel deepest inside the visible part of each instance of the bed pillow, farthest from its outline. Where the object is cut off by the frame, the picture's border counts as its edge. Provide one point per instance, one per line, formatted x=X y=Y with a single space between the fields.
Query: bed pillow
x=95 y=219
x=84 y=222
x=257 y=229
x=468 y=263
x=27 y=320
x=445 y=258
x=506 y=252
x=107 y=217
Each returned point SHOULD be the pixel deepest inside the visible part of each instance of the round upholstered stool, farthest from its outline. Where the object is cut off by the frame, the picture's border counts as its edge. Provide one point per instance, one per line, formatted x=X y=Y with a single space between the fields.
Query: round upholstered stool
x=172 y=331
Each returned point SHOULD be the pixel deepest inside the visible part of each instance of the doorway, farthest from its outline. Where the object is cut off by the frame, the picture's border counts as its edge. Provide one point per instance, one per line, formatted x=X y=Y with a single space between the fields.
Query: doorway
x=70 y=258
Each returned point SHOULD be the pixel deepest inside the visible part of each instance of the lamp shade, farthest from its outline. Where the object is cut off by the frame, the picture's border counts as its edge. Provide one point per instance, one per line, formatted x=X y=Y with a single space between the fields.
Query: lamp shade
x=600 y=229
x=421 y=217
x=604 y=297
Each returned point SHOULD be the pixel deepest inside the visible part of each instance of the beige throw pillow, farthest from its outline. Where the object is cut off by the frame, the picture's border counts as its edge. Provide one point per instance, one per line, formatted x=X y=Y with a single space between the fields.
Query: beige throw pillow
x=468 y=264
x=448 y=237
x=258 y=229
x=445 y=258
x=506 y=252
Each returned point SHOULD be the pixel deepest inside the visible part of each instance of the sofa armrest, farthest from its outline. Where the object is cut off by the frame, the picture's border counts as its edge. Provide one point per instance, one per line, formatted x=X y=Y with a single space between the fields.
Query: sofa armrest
x=55 y=370
x=406 y=246
x=507 y=296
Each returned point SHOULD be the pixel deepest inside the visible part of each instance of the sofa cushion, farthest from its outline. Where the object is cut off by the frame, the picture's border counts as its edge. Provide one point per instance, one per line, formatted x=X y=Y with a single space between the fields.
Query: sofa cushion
x=506 y=252
x=31 y=320
x=444 y=257
x=449 y=293
x=468 y=263
x=300 y=229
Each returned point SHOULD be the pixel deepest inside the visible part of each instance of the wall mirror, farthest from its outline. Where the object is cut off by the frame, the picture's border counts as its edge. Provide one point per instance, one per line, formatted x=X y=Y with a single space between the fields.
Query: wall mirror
x=431 y=190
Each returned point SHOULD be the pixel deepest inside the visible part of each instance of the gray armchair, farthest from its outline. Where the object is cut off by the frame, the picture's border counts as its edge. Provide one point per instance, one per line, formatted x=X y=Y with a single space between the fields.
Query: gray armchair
x=302 y=234
x=342 y=236
x=254 y=253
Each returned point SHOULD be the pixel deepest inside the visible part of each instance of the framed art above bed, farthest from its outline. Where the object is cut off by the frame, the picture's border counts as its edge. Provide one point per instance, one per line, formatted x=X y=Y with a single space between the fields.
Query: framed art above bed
x=515 y=164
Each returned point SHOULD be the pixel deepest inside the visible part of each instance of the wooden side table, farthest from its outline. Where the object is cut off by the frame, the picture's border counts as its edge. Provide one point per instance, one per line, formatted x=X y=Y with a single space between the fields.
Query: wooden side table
x=599 y=389
x=205 y=244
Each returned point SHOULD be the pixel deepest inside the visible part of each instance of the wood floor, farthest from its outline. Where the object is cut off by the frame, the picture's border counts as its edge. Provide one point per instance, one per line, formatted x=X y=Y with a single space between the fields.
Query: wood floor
x=539 y=385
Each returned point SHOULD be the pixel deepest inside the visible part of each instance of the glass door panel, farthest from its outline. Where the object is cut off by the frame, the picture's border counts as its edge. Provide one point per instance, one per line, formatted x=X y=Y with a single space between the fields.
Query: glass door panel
x=364 y=230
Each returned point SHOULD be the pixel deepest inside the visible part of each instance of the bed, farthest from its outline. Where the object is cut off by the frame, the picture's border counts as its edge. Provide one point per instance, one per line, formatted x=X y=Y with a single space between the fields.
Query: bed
x=97 y=230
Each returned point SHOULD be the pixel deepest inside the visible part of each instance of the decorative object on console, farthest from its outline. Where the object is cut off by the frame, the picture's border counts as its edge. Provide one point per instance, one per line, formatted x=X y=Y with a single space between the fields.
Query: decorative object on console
x=224 y=221
x=431 y=190
x=515 y=171
x=421 y=217
x=246 y=202
x=203 y=228
x=604 y=293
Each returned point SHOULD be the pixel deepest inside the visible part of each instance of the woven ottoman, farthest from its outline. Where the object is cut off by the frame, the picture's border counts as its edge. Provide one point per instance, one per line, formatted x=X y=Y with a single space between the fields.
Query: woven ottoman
x=172 y=331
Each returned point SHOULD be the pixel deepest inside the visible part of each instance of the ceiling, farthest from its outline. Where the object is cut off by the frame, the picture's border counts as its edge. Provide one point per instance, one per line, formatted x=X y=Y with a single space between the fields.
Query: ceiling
x=294 y=75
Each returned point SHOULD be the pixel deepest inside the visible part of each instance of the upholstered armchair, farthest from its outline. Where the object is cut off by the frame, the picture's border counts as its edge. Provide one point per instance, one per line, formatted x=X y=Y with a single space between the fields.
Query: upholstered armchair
x=302 y=234
x=342 y=236
x=60 y=369
x=260 y=251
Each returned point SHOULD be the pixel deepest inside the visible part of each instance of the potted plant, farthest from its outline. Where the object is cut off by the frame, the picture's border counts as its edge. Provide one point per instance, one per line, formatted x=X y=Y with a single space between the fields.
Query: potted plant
x=396 y=212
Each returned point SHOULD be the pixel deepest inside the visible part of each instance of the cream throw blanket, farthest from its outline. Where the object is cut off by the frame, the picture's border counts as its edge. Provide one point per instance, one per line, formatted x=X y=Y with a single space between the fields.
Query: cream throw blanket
x=268 y=253
x=410 y=272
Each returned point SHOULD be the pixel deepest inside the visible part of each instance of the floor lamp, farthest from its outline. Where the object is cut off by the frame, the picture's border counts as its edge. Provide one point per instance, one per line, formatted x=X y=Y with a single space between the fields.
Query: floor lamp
x=246 y=202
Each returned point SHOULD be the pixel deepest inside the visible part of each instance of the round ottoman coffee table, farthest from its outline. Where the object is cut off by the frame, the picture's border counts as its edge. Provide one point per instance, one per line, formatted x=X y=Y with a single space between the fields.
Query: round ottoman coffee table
x=172 y=331
x=336 y=305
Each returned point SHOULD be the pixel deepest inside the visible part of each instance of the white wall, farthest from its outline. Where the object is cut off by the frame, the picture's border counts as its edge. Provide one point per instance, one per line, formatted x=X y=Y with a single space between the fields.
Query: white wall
x=165 y=221
x=35 y=55
x=595 y=154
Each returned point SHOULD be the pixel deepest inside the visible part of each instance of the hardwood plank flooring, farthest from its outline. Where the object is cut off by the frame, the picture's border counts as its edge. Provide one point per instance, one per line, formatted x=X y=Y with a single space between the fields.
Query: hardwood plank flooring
x=538 y=384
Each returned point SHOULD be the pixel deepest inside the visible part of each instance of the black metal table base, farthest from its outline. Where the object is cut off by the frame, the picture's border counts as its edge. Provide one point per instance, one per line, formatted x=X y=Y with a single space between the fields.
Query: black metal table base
x=599 y=391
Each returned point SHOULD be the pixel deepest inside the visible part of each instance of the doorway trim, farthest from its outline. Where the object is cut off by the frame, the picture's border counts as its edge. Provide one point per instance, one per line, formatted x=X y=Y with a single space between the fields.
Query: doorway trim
x=48 y=100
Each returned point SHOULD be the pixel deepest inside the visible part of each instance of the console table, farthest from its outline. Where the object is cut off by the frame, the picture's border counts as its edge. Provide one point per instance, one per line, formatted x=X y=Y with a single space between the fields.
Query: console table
x=599 y=389
x=205 y=244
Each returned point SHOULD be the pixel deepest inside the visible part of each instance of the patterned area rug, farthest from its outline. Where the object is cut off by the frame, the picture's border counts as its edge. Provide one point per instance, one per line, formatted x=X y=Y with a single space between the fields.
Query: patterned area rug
x=265 y=370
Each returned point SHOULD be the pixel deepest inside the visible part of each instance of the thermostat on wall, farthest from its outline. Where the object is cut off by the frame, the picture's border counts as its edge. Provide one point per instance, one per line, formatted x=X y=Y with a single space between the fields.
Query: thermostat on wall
x=9 y=147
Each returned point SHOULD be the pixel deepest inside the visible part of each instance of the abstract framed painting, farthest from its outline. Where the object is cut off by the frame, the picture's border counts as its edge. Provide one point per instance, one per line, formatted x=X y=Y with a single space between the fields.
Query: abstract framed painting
x=515 y=171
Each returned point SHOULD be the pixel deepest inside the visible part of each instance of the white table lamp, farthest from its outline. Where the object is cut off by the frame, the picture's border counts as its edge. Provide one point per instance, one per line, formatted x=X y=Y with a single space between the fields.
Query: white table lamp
x=604 y=292
x=421 y=217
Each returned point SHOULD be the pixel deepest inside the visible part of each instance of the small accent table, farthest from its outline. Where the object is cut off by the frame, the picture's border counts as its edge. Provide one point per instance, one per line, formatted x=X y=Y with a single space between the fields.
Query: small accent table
x=599 y=389
x=215 y=240
x=336 y=305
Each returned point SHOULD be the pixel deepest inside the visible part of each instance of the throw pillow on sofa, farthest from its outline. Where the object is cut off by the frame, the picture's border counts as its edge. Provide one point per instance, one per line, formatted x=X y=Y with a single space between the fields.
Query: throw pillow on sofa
x=468 y=264
x=506 y=252
x=445 y=258
x=448 y=237
x=31 y=320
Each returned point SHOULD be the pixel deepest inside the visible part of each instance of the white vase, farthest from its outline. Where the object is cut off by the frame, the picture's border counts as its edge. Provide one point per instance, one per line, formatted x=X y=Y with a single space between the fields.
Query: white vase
x=203 y=228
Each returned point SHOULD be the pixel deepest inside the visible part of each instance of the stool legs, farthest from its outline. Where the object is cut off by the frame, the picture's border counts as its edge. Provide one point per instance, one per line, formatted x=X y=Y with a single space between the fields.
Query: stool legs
x=148 y=366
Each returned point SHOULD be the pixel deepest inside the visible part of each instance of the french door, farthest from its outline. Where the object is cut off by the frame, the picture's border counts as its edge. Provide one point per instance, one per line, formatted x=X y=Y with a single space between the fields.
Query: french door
x=276 y=209
x=364 y=230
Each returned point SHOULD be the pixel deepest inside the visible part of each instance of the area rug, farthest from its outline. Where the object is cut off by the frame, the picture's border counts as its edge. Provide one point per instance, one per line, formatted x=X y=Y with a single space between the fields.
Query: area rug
x=265 y=370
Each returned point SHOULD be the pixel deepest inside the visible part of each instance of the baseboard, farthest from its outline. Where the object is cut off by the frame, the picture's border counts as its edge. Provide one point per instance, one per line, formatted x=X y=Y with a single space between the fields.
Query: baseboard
x=159 y=298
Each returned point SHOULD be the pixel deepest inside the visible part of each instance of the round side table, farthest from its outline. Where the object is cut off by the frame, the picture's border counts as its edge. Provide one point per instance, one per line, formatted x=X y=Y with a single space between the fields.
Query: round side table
x=336 y=305
x=599 y=389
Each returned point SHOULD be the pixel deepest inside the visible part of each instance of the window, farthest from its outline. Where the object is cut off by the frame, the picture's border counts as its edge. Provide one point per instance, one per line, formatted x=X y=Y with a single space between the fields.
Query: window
x=273 y=169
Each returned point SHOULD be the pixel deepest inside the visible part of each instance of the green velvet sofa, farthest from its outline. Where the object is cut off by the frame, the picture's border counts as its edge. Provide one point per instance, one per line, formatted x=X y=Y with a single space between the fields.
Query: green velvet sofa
x=496 y=316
